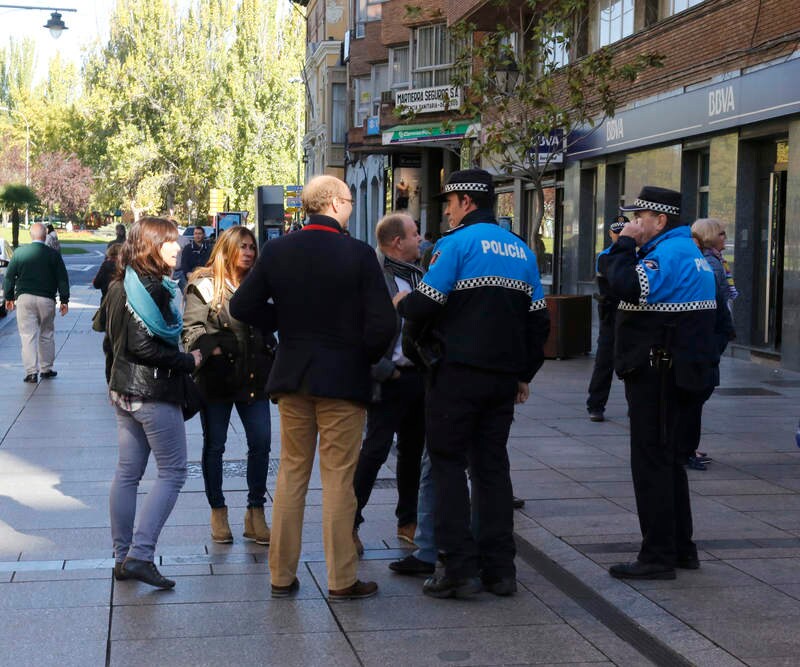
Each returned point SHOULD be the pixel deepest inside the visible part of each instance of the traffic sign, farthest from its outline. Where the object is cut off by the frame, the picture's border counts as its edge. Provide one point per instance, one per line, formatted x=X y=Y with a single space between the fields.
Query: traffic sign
x=293 y=202
x=294 y=188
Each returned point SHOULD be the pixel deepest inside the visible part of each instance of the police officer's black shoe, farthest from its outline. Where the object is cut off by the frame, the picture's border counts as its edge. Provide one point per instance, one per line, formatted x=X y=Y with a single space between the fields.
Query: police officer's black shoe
x=503 y=586
x=517 y=503
x=449 y=587
x=597 y=416
x=688 y=563
x=639 y=570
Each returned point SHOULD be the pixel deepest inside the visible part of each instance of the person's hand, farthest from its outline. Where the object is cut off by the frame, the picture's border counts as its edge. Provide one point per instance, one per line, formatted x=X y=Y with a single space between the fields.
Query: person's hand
x=399 y=297
x=63 y=309
x=9 y=305
x=635 y=231
x=216 y=351
x=523 y=391
x=198 y=357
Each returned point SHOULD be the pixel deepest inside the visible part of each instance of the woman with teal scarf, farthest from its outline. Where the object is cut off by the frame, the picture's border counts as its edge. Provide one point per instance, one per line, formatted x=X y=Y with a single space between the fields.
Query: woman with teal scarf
x=146 y=373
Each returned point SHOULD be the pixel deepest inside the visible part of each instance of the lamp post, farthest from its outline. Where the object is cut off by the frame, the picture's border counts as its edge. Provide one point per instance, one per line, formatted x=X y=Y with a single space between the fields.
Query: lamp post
x=54 y=24
x=189 y=204
x=297 y=79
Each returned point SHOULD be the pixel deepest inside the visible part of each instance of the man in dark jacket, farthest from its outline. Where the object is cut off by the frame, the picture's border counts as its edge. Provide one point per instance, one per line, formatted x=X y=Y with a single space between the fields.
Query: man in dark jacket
x=33 y=277
x=334 y=318
x=399 y=396
x=196 y=253
x=603 y=373
x=666 y=353
x=483 y=296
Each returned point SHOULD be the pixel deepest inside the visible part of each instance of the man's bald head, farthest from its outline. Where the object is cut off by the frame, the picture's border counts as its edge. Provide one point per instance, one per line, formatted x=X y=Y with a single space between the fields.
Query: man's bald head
x=328 y=195
x=38 y=232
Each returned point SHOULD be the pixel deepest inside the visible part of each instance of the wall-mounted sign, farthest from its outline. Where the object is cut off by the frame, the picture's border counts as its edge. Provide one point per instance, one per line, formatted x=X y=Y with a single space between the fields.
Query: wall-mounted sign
x=373 y=126
x=406 y=134
x=551 y=149
x=429 y=100
x=767 y=93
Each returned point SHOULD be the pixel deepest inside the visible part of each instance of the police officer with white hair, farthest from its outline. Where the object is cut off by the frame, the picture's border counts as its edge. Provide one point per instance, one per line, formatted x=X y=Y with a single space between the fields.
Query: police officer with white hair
x=666 y=354
x=482 y=301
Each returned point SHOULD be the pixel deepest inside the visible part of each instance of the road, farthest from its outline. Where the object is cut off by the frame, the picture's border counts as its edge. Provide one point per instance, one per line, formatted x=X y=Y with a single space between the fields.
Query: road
x=83 y=267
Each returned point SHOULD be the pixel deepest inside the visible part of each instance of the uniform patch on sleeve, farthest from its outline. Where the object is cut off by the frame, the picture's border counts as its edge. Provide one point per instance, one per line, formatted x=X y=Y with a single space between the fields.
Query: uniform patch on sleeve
x=651 y=264
x=434 y=257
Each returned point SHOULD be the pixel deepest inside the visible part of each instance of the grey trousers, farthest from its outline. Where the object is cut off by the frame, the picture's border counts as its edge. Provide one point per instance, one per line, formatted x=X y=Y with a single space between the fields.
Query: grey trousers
x=35 y=321
x=156 y=427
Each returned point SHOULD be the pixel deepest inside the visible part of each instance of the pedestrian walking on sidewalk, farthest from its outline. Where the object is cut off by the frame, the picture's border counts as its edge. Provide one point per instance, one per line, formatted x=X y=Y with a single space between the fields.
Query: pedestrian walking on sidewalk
x=398 y=405
x=607 y=302
x=33 y=277
x=666 y=353
x=237 y=358
x=483 y=297
x=146 y=374
x=108 y=269
x=325 y=293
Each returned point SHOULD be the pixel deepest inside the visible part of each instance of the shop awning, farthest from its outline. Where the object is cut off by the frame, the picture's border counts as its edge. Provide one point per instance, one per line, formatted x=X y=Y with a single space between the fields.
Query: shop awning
x=424 y=132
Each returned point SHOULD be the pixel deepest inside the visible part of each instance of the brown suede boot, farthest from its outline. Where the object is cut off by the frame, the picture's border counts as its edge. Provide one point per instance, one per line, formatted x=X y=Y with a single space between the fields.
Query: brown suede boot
x=220 y=530
x=255 y=525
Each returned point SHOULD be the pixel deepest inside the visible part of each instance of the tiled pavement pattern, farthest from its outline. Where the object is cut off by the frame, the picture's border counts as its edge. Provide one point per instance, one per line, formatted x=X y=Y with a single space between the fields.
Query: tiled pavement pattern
x=59 y=605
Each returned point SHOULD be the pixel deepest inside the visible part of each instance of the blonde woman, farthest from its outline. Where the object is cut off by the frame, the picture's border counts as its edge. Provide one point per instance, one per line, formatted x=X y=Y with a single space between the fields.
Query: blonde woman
x=237 y=360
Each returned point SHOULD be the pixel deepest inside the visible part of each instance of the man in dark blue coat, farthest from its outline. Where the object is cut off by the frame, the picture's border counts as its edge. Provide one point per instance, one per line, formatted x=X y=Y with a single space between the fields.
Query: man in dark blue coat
x=325 y=294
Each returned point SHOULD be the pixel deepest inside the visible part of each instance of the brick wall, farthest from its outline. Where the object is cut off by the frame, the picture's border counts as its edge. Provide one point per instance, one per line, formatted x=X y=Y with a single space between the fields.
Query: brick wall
x=367 y=50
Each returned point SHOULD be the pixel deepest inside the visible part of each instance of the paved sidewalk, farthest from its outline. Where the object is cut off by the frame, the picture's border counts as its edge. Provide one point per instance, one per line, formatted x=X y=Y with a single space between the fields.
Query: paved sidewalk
x=60 y=606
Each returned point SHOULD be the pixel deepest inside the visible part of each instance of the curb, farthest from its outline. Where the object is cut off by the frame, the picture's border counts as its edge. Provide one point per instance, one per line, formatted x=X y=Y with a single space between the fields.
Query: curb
x=655 y=633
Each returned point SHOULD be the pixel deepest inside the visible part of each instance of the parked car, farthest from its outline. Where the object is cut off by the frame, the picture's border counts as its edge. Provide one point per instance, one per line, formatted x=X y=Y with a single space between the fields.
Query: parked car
x=6 y=251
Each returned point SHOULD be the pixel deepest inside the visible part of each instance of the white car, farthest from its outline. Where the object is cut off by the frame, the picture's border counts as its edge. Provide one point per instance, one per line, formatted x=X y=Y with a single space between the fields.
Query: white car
x=6 y=251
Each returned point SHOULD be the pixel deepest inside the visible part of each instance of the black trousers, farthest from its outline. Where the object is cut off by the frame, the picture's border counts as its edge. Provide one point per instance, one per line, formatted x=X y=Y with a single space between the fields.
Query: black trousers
x=659 y=476
x=603 y=373
x=401 y=410
x=468 y=418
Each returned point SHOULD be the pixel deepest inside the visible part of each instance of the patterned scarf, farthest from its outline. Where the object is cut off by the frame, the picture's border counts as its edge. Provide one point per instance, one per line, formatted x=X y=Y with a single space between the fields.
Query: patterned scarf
x=408 y=272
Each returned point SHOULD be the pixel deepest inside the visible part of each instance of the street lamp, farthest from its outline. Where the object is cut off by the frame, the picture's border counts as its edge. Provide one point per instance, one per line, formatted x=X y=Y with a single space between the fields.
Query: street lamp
x=54 y=24
x=189 y=204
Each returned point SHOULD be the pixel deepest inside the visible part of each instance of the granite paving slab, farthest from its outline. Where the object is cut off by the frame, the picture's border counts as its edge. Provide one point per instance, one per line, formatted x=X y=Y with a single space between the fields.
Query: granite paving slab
x=63 y=652
x=760 y=601
x=770 y=570
x=31 y=625
x=55 y=594
x=517 y=645
x=221 y=619
x=287 y=650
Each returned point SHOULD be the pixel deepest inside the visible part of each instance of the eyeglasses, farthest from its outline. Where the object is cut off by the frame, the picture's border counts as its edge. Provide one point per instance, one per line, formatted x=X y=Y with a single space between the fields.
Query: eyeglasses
x=347 y=199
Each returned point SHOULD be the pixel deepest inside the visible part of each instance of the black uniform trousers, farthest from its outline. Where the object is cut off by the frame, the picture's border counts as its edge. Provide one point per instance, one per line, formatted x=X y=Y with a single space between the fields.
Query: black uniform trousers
x=603 y=373
x=468 y=418
x=659 y=476
x=401 y=410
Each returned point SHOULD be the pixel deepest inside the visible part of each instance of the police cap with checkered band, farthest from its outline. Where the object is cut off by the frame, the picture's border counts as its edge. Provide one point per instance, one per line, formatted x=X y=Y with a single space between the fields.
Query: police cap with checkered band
x=469 y=182
x=658 y=200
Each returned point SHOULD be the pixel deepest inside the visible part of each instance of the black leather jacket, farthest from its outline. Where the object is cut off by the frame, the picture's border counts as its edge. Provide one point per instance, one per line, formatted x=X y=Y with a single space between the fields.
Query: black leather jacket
x=137 y=363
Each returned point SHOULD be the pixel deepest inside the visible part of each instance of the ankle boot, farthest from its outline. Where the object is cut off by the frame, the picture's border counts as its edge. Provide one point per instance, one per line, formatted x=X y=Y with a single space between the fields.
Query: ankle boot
x=255 y=525
x=220 y=530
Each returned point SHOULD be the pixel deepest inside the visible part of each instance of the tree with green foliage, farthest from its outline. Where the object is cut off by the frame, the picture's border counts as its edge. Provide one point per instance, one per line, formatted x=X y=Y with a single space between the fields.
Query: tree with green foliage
x=521 y=77
x=16 y=197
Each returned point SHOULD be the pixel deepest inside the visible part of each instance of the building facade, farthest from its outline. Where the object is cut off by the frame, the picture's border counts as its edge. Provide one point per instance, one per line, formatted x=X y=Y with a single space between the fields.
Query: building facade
x=720 y=121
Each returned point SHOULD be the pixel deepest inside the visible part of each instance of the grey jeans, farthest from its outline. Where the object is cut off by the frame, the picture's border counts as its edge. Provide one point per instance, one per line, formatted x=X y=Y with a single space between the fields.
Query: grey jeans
x=156 y=427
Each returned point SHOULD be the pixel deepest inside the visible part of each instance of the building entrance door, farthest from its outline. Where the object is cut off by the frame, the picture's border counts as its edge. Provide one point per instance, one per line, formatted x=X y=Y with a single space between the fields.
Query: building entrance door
x=771 y=253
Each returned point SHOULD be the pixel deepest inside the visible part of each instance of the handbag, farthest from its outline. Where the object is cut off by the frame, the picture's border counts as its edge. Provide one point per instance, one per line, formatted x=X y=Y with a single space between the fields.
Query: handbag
x=192 y=398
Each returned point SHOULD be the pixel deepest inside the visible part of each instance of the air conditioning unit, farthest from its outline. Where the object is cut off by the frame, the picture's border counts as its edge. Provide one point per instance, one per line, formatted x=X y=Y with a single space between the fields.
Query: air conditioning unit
x=387 y=97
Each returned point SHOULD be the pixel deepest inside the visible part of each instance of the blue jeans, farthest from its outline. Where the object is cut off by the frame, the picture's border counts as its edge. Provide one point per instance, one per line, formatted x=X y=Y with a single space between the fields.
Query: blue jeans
x=216 y=417
x=155 y=427
x=424 y=537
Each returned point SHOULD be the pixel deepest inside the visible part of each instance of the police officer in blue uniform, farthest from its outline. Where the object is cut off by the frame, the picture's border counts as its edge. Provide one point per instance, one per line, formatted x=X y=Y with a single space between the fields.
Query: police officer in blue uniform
x=603 y=373
x=666 y=353
x=483 y=303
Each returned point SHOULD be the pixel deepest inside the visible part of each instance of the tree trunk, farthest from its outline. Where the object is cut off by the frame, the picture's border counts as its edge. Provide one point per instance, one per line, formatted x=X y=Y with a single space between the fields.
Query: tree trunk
x=15 y=227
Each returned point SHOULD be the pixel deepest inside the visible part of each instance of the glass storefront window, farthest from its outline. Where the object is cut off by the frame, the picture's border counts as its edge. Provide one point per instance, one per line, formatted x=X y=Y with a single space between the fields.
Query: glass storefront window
x=542 y=240
x=505 y=211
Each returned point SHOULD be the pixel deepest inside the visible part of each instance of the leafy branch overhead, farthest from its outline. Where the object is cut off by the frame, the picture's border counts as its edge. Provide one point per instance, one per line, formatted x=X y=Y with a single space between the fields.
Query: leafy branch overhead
x=539 y=49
